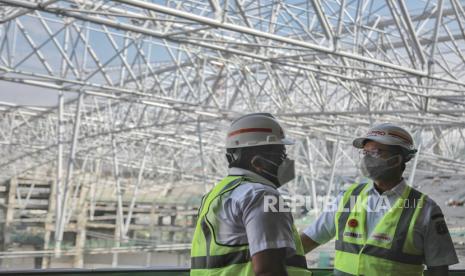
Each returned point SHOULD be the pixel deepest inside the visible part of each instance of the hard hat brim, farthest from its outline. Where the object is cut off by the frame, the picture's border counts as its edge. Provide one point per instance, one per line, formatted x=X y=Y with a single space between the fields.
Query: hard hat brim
x=360 y=142
x=284 y=141
x=287 y=141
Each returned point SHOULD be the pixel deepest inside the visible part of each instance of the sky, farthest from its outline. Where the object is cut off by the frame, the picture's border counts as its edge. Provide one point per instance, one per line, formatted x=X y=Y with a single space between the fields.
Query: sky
x=21 y=94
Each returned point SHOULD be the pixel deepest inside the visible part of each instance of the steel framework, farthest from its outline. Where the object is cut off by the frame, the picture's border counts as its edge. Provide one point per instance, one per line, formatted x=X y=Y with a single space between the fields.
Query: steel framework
x=150 y=87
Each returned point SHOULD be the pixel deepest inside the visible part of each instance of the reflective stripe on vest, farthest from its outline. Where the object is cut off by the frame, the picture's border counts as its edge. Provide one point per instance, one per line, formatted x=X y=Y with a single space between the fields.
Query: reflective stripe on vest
x=238 y=257
x=395 y=251
x=220 y=256
x=341 y=273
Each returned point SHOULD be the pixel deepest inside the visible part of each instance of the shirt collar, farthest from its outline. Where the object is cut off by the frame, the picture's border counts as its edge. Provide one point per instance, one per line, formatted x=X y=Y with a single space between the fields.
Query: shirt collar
x=256 y=177
x=394 y=191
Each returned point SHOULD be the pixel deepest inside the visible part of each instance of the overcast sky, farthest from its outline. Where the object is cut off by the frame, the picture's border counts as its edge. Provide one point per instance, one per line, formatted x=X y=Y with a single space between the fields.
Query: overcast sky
x=29 y=95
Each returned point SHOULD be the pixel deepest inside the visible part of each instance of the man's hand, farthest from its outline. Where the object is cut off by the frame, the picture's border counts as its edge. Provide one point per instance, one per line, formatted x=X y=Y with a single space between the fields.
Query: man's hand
x=308 y=243
x=437 y=271
x=270 y=262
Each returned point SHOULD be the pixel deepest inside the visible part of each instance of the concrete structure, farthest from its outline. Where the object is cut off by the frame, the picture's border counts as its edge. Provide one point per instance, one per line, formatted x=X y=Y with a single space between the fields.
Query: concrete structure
x=90 y=236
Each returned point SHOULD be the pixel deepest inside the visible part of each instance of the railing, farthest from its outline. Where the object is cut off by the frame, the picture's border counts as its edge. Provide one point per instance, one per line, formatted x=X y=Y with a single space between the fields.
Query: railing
x=148 y=272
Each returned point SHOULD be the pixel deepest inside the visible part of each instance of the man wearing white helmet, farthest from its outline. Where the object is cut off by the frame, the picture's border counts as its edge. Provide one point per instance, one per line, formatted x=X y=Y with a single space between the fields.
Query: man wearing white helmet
x=384 y=227
x=235 y=235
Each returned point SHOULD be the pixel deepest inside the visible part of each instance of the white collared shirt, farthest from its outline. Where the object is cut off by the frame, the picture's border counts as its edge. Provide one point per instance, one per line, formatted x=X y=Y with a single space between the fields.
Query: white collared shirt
x=437 y=246
x=243 y=218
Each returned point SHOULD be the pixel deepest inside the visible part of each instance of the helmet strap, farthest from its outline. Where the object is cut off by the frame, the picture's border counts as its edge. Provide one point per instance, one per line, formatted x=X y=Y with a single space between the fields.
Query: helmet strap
x=258 y=163
x=234 y=156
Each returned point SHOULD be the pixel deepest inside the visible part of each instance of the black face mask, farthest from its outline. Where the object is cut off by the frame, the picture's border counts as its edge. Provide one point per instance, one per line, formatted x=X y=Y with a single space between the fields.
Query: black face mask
x=280 y=173
x=381 y=169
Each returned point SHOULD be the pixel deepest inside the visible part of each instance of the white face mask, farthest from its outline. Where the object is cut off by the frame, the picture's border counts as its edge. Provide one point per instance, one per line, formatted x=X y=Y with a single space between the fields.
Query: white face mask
x=286 y=170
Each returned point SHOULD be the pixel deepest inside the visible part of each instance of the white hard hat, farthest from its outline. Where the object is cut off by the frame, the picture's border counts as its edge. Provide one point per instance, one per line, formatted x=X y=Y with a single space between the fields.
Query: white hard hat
x=388 y=134
x=256 y=129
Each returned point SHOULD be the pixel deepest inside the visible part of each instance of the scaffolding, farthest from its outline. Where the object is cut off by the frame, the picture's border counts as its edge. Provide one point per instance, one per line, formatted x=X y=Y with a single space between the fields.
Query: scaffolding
x=146 y=89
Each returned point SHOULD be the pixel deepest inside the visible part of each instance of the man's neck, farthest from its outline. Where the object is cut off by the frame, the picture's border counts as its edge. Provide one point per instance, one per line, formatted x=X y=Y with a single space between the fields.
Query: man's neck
x=383 y=186
x=263 y=174
x=272 y=181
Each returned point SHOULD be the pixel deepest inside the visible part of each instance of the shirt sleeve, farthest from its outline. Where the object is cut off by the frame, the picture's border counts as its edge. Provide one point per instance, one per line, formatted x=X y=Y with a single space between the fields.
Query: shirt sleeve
x=323 y=228
x=438 y=246
x=267 y=228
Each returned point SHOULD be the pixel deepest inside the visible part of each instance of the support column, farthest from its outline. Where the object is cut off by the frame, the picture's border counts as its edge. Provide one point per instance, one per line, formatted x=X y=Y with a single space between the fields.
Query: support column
x=81 y=226
x=148 y=260
x=9 y=215
x=2 y=230
x=49 y=222
x=117 y=242
x=65 y=210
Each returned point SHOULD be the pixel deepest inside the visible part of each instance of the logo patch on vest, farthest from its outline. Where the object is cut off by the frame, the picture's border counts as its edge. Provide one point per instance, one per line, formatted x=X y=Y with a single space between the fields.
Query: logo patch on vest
x=353 y=235
x=352 y=223
x=381 y=237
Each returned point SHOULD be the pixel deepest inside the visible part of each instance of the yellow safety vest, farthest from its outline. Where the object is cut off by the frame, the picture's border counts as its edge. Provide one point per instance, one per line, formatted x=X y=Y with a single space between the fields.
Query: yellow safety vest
x=389 y=250
x=210 y=257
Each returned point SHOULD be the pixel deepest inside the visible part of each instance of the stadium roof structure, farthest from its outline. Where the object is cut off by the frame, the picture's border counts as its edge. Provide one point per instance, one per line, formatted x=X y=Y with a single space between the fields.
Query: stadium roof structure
x=146 y=89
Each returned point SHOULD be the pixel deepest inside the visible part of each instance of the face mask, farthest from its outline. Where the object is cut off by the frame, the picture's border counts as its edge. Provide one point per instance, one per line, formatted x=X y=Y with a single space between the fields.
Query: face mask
x=285 y=172
x=380 y=169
